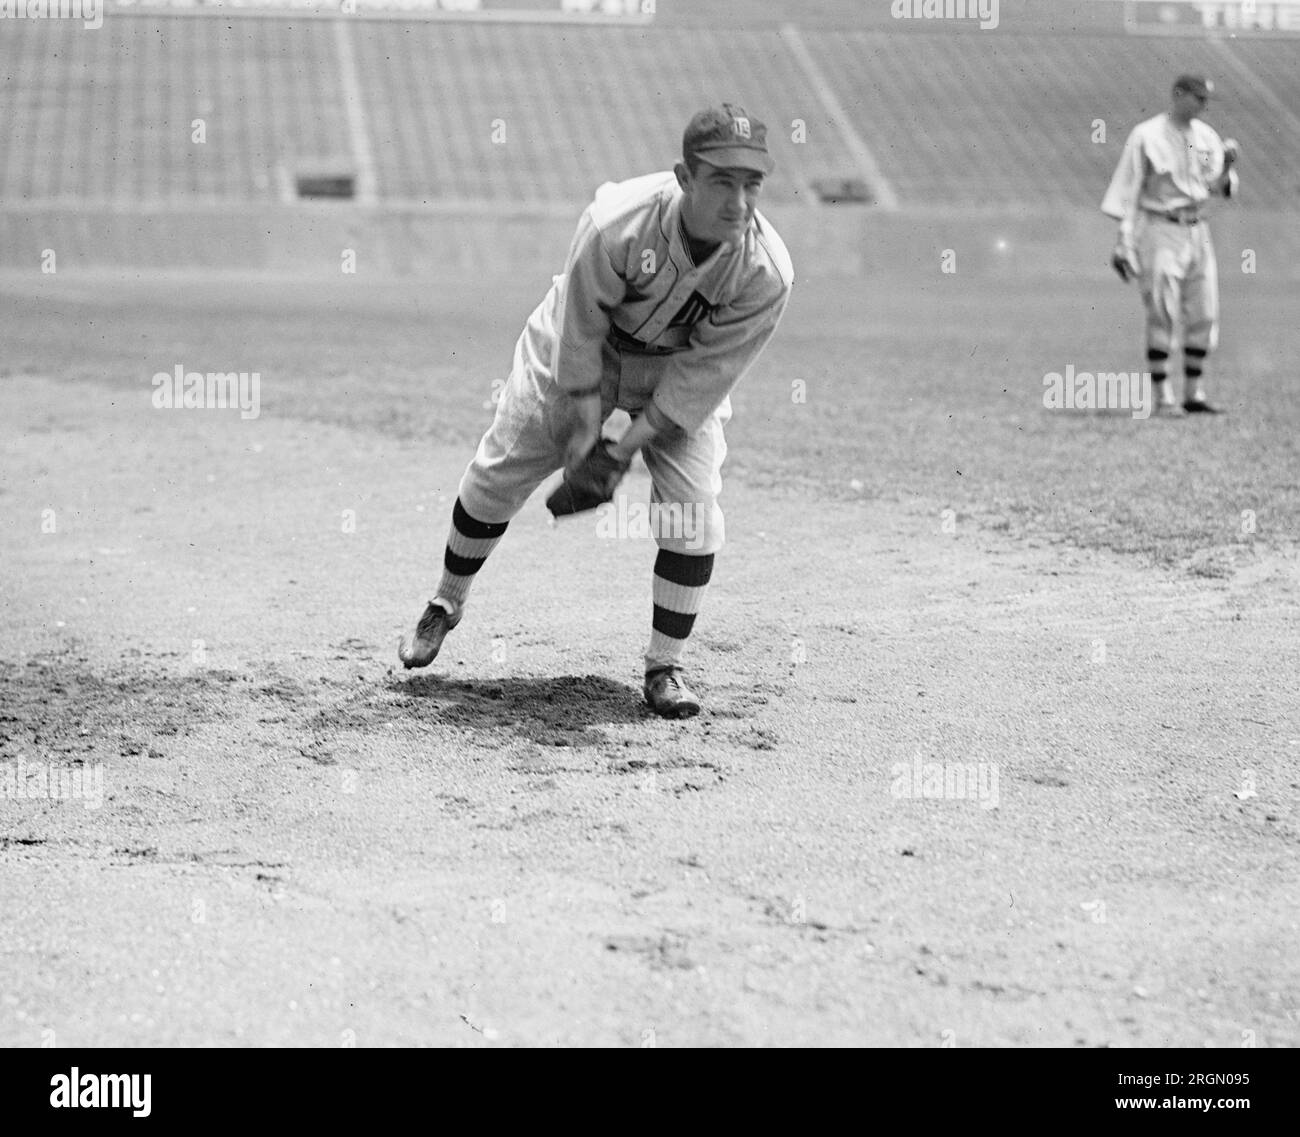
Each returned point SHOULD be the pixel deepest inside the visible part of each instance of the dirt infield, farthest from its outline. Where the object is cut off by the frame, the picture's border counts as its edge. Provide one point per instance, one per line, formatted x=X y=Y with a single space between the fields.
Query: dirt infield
x=1000 y=741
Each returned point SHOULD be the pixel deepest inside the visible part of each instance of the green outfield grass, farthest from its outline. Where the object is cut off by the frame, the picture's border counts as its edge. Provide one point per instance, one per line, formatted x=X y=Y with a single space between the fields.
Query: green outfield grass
x=928 y=396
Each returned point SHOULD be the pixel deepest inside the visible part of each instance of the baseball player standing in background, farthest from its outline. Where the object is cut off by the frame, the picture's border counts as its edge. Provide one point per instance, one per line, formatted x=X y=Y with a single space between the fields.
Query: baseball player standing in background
x=1172 y=164
x=674 y=284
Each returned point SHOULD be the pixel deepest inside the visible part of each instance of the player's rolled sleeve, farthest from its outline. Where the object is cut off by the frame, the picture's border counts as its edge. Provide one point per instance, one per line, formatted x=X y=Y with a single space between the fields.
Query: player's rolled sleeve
x=723 y=347
x=593 y=287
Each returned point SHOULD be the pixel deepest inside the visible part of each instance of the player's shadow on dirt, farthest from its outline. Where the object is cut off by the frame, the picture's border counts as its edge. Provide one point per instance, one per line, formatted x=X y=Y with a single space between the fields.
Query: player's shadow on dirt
x=557 y=711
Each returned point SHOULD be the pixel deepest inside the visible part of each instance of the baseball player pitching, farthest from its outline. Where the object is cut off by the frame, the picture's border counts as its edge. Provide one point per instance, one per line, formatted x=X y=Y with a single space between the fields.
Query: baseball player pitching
x=674 y=284
x=1171 y=166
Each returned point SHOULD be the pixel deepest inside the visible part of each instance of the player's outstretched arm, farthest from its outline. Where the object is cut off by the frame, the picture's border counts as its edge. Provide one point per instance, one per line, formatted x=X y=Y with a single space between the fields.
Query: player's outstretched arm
x=723 y=347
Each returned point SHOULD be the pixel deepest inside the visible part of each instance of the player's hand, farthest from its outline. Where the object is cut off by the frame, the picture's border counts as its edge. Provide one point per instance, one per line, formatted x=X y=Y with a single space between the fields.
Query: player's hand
x=586 y=411
x=1125 y=263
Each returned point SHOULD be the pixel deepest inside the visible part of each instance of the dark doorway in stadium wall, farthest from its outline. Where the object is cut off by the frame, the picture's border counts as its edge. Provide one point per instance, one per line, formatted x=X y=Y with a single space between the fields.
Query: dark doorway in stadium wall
x=324 y=179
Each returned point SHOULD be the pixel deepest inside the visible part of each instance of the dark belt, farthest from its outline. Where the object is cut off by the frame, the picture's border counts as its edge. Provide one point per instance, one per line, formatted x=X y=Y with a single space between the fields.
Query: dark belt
x=618 y=335
x=1176 y=218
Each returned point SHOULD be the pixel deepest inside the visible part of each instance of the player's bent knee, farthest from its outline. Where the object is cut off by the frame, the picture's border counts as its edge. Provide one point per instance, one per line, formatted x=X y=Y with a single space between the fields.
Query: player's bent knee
x=690 y=528
x=1202 y=335
x=492 y=500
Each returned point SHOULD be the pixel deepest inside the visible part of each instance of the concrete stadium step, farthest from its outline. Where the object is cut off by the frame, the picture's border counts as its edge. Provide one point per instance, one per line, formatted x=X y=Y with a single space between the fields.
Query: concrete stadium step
x=537 y=115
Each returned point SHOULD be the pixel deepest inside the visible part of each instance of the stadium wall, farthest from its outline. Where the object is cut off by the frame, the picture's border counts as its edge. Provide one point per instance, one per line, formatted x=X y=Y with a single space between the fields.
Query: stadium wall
x=310 y=240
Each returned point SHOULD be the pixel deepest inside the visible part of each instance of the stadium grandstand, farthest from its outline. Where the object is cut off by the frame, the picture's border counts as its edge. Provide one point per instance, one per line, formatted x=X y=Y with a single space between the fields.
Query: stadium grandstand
x=529 y=104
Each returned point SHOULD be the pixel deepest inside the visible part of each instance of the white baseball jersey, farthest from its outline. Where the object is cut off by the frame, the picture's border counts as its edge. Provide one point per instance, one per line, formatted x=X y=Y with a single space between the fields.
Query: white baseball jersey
x=1165 y=169
x=634 y=315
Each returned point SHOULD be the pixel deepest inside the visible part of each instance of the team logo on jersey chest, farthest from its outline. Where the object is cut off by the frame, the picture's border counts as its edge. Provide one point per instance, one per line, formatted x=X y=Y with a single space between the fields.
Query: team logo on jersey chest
x=692 y=312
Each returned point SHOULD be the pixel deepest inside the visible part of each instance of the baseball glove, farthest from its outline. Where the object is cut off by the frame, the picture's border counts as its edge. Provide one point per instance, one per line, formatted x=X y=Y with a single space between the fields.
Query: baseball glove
x=591 y=483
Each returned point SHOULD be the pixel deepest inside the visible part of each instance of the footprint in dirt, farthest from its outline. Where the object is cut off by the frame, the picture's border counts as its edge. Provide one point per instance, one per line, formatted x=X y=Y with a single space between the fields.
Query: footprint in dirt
x=353 y=648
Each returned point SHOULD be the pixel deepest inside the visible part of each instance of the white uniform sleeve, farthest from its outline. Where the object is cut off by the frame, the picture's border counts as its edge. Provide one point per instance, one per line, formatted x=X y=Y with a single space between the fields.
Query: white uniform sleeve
x=723 y=347
x=593 y=287
x=1121 y=200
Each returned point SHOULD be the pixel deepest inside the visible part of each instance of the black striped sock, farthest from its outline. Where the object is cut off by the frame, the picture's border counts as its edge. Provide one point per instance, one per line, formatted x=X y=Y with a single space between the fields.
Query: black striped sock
x=468 y=544
x=1156 y=359
x=1193 y=357
x=680 y=582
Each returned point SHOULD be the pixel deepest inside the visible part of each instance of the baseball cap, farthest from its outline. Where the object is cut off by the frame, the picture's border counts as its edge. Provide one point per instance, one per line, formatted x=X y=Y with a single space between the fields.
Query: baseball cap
x=728 y=137
x=1195 y=85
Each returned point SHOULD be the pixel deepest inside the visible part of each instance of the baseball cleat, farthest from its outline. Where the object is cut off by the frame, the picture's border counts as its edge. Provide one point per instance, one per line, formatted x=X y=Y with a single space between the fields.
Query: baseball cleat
x=668 y=695
x=421 y=648
x=1200 y=407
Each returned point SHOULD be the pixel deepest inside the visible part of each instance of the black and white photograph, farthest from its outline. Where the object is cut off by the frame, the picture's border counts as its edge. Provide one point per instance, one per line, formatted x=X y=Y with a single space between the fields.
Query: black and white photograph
x=650 y=524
